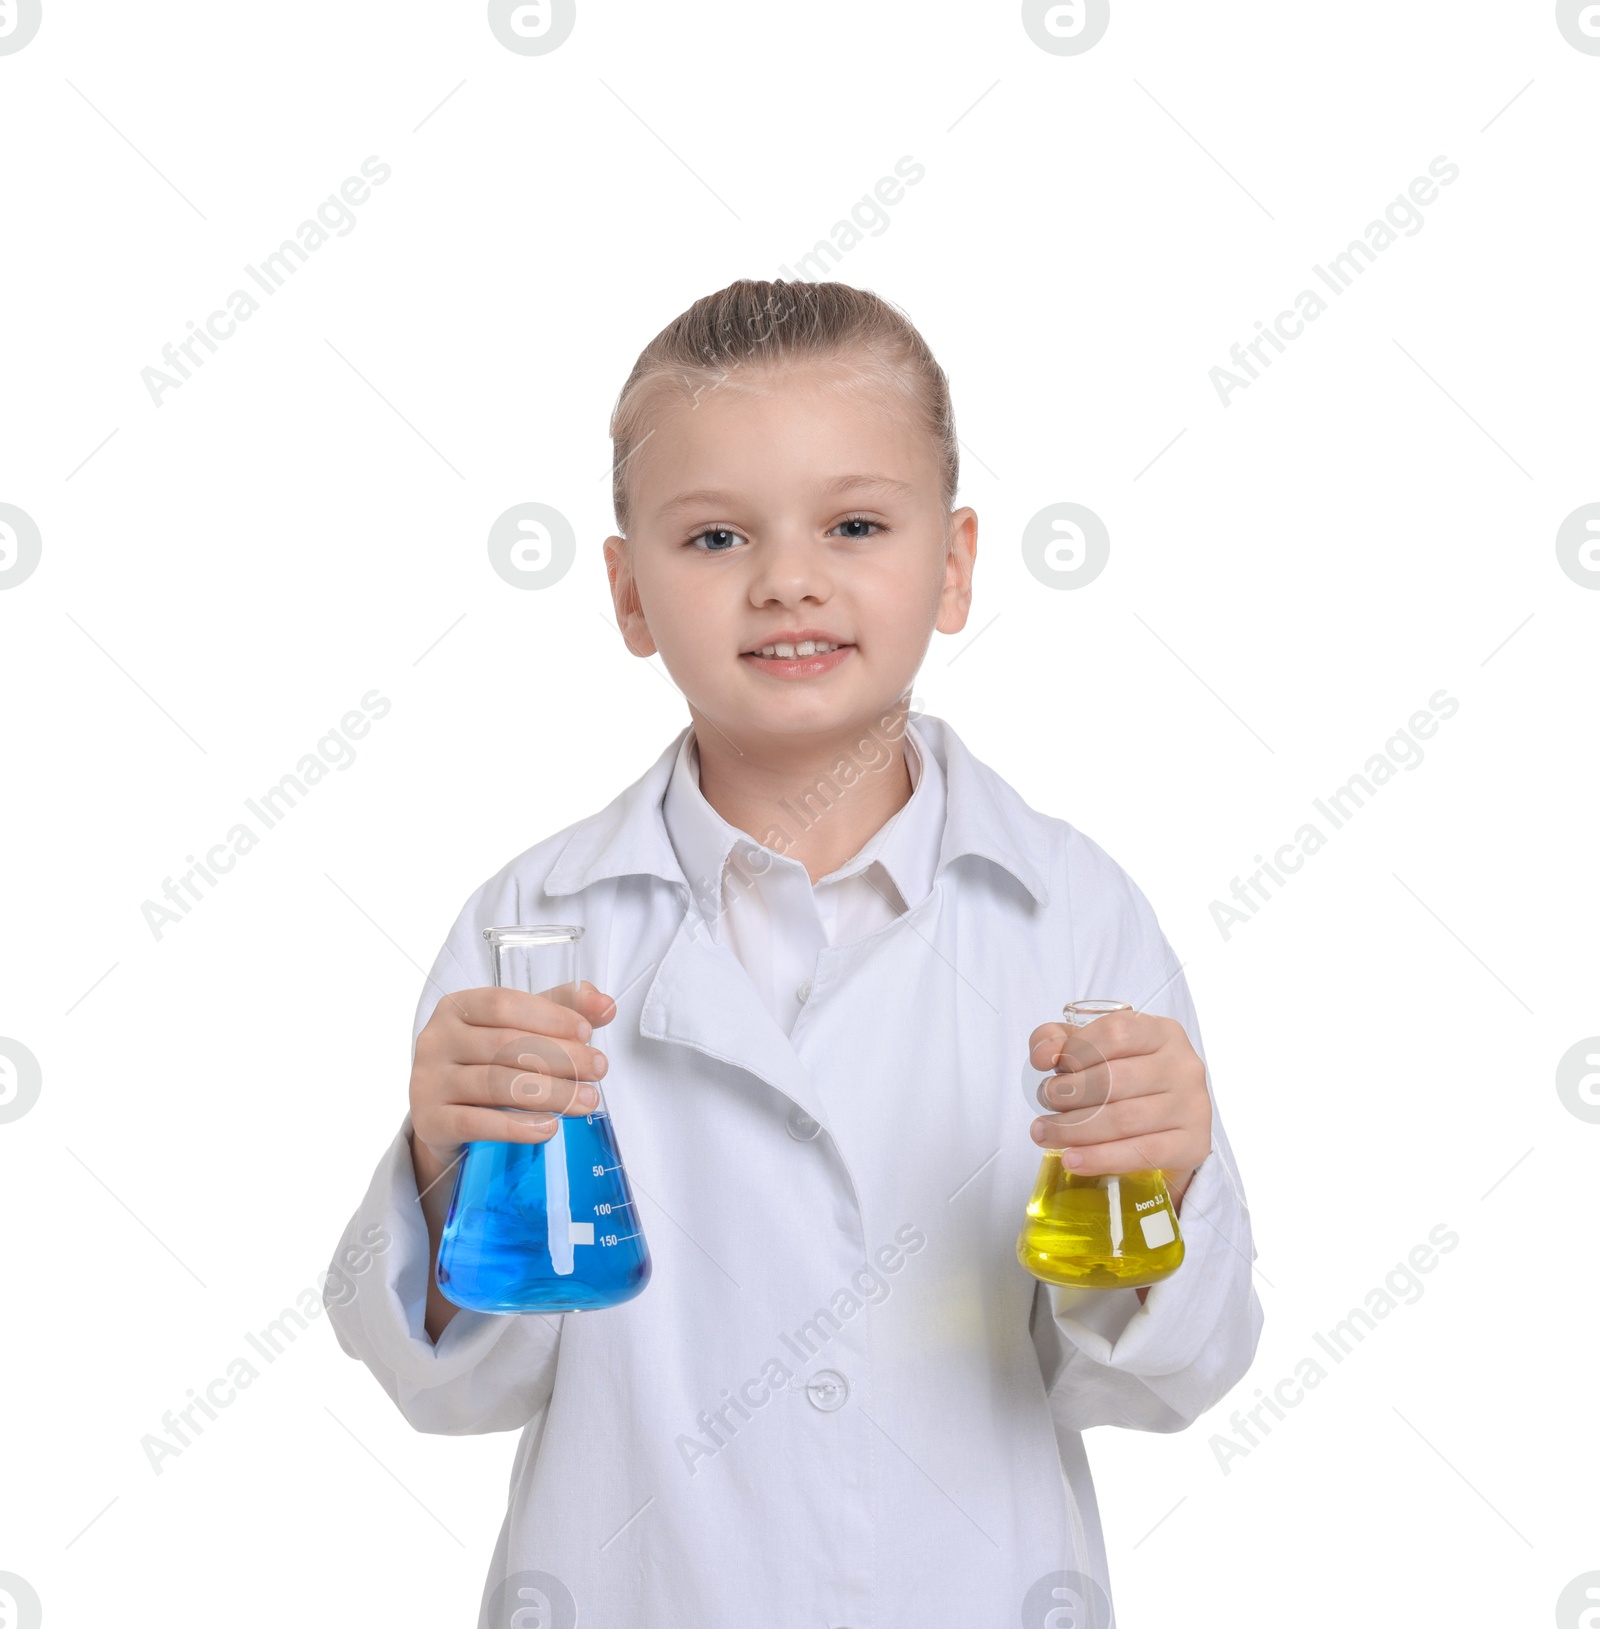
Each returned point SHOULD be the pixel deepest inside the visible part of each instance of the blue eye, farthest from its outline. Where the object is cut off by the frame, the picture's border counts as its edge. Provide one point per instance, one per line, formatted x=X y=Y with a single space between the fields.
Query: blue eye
x=719 y=532
x=723 y=539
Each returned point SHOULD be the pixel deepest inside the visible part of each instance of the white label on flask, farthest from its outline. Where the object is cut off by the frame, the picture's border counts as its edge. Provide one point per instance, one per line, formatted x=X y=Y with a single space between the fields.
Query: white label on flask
x=1157 y=1229
x=558 y=1199
x=581 y=1232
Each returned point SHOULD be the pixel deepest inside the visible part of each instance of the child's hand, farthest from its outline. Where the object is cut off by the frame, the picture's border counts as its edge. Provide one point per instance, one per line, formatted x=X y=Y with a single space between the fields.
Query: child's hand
x=1131 y=1093
x=492 y=1049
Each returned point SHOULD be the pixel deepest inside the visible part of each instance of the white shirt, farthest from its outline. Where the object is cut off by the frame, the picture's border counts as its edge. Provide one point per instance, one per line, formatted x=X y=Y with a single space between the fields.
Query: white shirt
x=762 y=902
x=841 y=1402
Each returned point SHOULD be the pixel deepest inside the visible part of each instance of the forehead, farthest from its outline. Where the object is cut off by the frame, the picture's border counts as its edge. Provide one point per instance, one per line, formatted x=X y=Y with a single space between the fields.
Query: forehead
x=820 y=426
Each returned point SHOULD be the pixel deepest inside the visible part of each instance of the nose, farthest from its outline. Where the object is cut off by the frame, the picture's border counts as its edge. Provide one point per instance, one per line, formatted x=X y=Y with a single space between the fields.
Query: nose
x=791 y=568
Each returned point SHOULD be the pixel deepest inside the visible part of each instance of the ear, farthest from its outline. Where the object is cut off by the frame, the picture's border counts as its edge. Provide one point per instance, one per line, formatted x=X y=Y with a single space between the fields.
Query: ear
x=625 y=597
x=955 y=595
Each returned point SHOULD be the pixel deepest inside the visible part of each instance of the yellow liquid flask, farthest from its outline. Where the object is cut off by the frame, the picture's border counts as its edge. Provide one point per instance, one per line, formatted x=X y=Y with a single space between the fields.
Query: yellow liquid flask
x=1099 y=1232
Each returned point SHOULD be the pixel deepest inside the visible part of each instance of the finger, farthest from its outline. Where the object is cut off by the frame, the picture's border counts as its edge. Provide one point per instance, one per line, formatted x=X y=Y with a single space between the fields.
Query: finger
x=507 y=1084
x=1061 y=1046
x=1044 y=1045
x=553 y=1057
x=1082 y=1090
x=1156 y=1151
x=530 y=1089
x=478 y=1045
x=1115 y=1035
x=1103 y=1122
x=592 y=1005
x=1101 y=1083
x=461 y=1124
x=549 y=1012
x=595 y=1005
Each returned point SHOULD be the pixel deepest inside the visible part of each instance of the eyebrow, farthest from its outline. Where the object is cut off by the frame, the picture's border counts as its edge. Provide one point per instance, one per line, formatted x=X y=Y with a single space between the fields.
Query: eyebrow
x=829 y=489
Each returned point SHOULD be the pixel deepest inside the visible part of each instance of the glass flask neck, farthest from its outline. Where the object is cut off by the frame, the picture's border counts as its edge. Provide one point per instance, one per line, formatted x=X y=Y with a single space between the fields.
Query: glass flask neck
x=538 y=958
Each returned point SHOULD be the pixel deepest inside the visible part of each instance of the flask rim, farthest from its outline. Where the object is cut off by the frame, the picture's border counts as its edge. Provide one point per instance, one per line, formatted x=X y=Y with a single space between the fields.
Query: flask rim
x=1091 y=1007
x=538 y=933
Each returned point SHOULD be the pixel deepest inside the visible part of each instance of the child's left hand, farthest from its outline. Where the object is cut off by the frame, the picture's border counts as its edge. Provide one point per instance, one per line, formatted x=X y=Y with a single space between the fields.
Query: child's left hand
x=1130 y=1095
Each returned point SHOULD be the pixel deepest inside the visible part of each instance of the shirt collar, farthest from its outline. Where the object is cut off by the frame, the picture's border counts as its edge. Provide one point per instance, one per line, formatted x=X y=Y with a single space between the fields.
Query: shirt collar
x=906 y=845
x=700 y=837
x=984 y=816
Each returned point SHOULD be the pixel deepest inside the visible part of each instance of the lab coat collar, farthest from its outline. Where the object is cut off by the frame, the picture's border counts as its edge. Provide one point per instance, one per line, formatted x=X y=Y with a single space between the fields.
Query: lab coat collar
x=983 y=816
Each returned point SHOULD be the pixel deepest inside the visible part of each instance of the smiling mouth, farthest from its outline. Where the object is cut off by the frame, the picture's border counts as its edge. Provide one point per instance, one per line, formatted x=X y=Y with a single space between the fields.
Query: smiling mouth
x=807 y=658
x=784 y=651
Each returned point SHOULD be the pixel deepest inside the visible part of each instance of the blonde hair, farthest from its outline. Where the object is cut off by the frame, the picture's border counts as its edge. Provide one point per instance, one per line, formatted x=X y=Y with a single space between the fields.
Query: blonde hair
x=760 y=325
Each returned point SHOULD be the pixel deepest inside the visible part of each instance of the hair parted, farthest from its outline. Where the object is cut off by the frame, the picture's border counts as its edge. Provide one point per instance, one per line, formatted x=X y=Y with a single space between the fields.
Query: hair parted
x=761 y=327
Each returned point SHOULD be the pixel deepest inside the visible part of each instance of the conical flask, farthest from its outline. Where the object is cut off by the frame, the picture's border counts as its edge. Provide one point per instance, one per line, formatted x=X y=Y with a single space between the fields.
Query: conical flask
x=551 y=1226
x=1099 y=1232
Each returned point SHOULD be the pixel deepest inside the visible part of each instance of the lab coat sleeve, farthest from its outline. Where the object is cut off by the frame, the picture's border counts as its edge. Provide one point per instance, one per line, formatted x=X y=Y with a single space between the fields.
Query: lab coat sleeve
x=488 y=1372
x=1107 y=1359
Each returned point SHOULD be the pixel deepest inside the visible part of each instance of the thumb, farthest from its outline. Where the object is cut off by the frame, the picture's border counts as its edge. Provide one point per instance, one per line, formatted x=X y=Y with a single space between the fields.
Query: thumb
x=594 y=1004
x=585 y=999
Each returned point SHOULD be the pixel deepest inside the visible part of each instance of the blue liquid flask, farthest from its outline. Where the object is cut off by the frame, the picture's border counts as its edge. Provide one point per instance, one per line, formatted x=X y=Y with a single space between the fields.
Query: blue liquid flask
x=551 y=1226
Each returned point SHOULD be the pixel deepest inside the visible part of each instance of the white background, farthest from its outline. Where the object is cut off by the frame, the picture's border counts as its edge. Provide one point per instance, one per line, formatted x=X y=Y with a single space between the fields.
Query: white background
x=305 y=519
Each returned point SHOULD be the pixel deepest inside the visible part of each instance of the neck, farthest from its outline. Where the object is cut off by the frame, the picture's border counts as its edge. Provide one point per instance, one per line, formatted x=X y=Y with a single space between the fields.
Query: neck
x=817 y=798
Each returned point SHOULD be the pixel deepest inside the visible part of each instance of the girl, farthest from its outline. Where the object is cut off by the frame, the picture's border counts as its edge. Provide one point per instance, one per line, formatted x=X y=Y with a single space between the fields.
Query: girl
x=827 y=940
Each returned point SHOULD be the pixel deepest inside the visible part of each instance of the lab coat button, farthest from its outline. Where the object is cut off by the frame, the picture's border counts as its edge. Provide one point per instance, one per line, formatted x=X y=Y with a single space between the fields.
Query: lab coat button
x=804 y=992
x=827 y=1390
x=800 y=1125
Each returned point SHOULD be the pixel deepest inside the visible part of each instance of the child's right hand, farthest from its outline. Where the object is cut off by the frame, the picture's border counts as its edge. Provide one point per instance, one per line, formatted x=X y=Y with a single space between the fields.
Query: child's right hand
x=491 y=1049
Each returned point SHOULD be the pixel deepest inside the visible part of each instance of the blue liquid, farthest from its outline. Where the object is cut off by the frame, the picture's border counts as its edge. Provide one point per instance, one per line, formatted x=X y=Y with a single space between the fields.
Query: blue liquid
x=544 y=1227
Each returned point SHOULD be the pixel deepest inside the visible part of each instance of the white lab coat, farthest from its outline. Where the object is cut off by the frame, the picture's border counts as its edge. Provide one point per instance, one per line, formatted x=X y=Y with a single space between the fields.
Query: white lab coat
x=838 y=1207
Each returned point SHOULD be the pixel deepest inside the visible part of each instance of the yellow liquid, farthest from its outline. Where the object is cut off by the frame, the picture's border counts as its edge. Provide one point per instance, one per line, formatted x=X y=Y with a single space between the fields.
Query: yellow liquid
x=1099 y=1232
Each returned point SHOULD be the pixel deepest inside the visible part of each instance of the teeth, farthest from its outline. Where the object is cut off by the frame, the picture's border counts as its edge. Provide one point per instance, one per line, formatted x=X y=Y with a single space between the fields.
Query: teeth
x=806 y=647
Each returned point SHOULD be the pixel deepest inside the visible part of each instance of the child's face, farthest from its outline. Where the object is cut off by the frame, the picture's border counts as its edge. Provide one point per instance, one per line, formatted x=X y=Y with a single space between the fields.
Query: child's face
x=751 y=521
